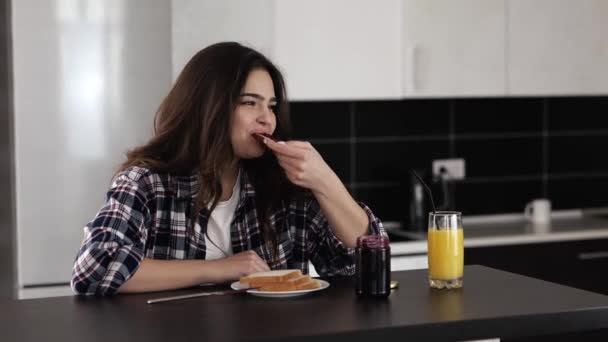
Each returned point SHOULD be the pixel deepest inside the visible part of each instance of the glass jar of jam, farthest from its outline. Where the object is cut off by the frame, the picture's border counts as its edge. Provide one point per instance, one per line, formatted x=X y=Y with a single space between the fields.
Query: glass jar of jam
x=373 y=266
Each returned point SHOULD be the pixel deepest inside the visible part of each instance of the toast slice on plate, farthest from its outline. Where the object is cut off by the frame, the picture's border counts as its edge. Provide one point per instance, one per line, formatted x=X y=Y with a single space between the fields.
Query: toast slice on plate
x=277 y=276
x=280 y=280
x=306 y=283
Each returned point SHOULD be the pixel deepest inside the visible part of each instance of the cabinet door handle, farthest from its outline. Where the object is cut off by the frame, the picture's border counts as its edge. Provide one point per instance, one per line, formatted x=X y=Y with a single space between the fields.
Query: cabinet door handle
x=413 y=79
x=593 y=255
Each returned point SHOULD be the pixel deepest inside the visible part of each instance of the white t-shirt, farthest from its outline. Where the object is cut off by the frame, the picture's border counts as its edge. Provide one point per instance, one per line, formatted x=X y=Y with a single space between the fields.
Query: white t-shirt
x=218 y=226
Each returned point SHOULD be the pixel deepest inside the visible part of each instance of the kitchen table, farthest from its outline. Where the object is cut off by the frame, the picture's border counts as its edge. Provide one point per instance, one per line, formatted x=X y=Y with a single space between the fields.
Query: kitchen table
x=492 y=303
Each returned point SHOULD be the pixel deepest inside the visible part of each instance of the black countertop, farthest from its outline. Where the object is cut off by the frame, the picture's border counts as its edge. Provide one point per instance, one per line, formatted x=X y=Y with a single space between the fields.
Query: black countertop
x=492 y=303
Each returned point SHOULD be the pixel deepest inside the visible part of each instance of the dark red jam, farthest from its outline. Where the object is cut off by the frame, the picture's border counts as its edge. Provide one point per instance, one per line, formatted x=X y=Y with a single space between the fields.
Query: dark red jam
x=373 y=263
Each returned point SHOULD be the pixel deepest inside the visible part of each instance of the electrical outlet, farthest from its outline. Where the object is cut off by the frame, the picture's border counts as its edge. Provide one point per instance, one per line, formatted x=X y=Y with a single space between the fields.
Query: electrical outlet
x=454 y=168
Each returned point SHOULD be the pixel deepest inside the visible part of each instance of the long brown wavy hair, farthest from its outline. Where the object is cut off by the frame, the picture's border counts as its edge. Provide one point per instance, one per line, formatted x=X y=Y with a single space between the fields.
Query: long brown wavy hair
x=192 y=131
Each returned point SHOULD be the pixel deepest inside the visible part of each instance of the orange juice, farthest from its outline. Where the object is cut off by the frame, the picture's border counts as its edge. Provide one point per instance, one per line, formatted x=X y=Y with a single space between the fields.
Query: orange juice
x=446 y=254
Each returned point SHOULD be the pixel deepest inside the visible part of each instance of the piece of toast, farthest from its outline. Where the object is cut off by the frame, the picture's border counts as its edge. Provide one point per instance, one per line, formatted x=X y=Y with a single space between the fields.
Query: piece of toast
x=311 y=284
x=287 y=285
x=270 y=277
x=305 y=283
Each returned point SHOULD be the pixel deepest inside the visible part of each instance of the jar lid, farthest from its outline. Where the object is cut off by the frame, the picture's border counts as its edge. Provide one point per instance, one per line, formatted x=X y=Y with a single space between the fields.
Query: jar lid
x=373 y=241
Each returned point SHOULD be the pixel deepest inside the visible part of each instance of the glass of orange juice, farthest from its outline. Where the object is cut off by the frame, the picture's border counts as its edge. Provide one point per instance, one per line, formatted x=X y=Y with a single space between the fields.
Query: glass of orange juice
x=445 y=249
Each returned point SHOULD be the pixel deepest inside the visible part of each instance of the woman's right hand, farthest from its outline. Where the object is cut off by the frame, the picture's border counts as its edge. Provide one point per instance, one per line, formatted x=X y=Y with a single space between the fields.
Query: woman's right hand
x=241 y=264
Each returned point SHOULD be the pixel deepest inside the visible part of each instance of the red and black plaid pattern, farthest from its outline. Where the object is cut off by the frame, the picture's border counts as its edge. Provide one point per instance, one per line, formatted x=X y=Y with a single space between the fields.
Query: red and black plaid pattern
x=146 y=214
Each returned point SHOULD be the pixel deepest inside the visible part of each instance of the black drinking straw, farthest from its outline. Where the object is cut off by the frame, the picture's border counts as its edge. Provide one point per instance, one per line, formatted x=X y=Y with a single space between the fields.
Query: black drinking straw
x=427 y=188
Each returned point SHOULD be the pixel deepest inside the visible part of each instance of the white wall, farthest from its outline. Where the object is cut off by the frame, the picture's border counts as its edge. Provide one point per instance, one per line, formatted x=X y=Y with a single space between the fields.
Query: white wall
x=88 y=78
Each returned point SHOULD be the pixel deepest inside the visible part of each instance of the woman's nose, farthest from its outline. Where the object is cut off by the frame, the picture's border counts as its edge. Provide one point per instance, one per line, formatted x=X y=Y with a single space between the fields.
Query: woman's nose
x=265 y=115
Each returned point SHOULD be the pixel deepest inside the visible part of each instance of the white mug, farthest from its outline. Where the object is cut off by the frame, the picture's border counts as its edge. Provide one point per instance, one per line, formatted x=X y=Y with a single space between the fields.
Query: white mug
x=538 y=211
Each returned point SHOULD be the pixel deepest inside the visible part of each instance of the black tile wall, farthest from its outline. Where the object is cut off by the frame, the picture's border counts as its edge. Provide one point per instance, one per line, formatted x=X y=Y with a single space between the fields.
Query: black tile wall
x=385 y=201
x=497 y=115
x=515 y=149
x=401 y=118
x=337 y=156
x=484 y=198
x=578 y=154
x=578 y=113
x=576 y=192
x=390 y=161
x=501 y=156
x=320 y=120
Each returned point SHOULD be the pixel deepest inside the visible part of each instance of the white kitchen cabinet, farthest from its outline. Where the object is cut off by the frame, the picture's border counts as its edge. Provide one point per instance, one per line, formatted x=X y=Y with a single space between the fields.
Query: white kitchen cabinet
x=327 y=50
x=453 y=48
x=196 y=24
x=410 y=262
x=339 y=49
x=345 y=50
x=358 y=49
x=558 y=47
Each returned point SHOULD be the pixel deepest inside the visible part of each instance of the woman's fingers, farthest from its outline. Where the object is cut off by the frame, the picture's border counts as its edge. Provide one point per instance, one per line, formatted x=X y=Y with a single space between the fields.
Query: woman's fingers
x=286 y=148
x=261 y=265
x=252 y=262
x=294 y=176
x=302 y=164
x=299 y=144
x=291 y=162
x=292 y=166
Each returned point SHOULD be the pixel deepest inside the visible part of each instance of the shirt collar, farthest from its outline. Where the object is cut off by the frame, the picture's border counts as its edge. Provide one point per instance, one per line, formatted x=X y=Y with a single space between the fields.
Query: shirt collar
x=188 y=186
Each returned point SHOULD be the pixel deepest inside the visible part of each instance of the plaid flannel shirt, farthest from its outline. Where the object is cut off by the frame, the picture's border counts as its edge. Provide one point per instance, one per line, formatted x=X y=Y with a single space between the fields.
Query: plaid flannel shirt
x=147 y=214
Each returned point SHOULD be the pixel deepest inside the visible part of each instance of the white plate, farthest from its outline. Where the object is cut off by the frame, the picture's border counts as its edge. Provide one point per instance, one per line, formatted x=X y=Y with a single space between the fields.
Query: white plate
x=278 y=294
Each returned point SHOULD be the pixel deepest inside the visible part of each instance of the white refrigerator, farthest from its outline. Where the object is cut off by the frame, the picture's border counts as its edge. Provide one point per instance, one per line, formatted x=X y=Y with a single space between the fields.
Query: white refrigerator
x=88 y=76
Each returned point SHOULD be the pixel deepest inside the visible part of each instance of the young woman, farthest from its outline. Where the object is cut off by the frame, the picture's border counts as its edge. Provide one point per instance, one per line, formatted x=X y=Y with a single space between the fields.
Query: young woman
x=206 y=201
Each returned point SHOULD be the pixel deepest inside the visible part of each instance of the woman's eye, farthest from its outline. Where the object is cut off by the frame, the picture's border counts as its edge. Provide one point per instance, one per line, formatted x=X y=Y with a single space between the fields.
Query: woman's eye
x=273 y=108
x=248 y=103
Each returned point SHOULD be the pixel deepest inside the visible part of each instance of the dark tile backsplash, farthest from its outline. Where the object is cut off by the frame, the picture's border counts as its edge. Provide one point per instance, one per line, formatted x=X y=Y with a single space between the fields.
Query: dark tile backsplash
x=390 y=161
x=578 y=113
x=401 y=118
x=500 y=157
x=338 y=156
x=482 y=116
x=578 y=154
x=515 y=149
x=386 y=201
x=577 y=192
x=506 y=196
x=320 y=120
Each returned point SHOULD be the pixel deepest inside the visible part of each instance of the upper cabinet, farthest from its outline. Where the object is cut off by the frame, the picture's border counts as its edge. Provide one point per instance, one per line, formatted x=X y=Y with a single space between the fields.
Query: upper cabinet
x=361 y=49
x=196 y=24
x=453 y=48
x=339 y=49
x=558 y=47
x=327 y=50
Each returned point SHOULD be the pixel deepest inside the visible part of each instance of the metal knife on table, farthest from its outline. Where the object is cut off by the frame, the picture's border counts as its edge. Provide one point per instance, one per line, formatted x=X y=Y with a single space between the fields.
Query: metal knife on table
x=202 y=294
